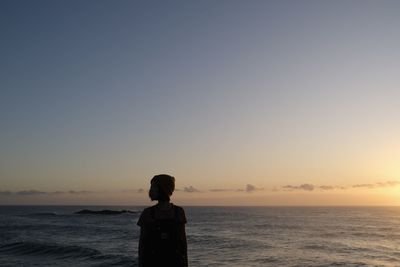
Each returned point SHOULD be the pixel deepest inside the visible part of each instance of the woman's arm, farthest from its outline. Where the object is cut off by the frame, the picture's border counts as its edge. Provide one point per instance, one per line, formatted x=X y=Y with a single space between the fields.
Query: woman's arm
x=184 y=245
x=141 y=246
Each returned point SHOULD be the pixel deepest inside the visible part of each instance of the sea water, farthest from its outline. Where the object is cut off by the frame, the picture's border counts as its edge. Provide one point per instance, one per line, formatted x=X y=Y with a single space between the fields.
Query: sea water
x=217 y=236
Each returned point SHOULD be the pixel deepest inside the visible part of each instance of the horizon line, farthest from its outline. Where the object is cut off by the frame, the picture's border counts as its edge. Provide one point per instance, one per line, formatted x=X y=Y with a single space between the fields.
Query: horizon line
x=189 y=206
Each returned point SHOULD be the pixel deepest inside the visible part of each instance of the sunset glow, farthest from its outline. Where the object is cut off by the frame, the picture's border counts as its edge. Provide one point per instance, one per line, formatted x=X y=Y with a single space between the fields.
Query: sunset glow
x=270 y=103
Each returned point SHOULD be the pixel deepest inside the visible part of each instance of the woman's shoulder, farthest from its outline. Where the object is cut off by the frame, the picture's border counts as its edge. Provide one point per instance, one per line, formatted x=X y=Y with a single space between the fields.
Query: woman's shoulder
x=178 y=208
x=180 y=214
x=148 y=215
x=145 y=216
x=148 y=211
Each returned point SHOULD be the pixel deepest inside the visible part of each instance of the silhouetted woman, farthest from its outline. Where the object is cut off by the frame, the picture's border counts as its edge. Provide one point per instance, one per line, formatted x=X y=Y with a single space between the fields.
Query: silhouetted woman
x=162 y=228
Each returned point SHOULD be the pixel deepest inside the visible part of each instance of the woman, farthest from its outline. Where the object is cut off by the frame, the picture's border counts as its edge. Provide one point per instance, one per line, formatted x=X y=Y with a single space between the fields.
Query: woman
x=162 y=228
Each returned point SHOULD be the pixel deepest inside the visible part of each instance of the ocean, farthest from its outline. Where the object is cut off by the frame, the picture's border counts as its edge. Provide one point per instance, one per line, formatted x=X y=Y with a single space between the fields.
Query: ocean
x=217 y=236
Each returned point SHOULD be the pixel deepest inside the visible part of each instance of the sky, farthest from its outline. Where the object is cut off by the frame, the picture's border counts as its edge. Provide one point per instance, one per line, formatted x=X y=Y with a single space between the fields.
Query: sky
x=243 y=102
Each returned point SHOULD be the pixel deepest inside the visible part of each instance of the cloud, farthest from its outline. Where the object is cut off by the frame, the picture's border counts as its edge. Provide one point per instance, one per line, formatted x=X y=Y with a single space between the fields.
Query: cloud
x=80 y=192
x=249 y=188
x=377 y=185
x=190 y=189
x=326 y=187
x=33 y=192
x=220 y=190
x=364 y=186
x=132 y=191
x=30 y=193
x=388 y=184
x=311 y=187
x=57 y=192
x=5 y=193
x=306 y=187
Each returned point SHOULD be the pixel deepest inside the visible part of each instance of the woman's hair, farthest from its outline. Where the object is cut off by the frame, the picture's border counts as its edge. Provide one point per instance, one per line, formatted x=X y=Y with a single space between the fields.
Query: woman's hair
x=162 y=196
x=165 y=184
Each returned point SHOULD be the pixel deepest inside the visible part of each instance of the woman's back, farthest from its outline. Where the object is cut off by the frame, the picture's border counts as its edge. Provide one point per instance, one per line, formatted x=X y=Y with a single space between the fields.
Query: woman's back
x=163 y=237
x=162 y=228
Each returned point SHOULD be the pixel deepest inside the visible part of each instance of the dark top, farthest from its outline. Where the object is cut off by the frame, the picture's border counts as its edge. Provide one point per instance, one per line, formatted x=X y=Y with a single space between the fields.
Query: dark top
x=162 y=237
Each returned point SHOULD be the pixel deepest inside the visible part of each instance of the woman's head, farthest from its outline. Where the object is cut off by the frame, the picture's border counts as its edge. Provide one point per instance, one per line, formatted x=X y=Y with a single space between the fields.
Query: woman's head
x=162 y=187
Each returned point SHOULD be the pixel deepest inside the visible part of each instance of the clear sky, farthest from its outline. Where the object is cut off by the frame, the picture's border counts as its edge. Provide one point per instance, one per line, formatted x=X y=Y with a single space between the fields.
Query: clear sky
x=244 y=102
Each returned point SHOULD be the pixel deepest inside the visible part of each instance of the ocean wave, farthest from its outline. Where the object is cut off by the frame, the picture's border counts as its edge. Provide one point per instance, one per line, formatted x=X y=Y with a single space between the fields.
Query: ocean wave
x=43 y=214
x=45 y=226
x=272 y=226
x=343 y=263
x=267 y=259
x=43 y=249
x=316 y=247
x=65 y=252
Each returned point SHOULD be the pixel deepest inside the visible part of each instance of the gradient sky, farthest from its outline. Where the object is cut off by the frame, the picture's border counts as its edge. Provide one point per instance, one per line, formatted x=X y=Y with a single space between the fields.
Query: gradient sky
x=269 y=102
